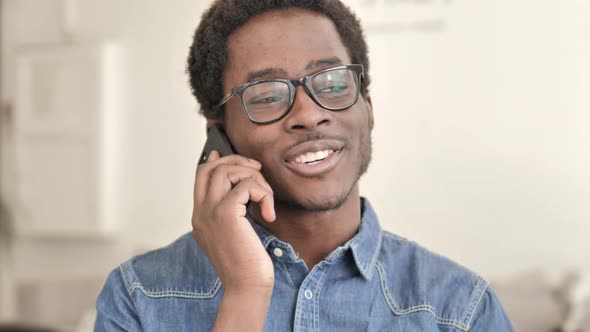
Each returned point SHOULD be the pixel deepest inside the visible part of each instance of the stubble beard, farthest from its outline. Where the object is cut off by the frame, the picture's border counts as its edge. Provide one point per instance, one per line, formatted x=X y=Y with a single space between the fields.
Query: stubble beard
x=290 y=202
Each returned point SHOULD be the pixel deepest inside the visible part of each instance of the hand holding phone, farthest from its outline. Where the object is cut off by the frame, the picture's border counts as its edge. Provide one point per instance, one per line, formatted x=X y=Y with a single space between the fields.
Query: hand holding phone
x=224 y=184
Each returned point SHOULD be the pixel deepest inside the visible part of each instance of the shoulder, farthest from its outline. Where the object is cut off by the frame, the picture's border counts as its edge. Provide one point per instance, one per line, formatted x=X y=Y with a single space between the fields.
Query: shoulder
x=180 y=269
x=415 y=279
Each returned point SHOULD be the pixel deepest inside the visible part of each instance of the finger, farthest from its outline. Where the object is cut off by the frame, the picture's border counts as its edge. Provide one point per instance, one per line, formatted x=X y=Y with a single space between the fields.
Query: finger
x=267 y=209
x=236 y=174
x=236 y=159
x=249 y=190
x=213 y=155
x=202 y=182
x=203 y=176
x=224 y=177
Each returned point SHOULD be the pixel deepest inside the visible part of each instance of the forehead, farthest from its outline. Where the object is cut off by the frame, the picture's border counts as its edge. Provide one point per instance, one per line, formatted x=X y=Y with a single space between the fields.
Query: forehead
x=292 y=42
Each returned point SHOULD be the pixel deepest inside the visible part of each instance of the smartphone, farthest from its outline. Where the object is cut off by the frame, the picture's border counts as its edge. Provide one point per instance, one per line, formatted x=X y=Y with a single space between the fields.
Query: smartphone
x=216 y=140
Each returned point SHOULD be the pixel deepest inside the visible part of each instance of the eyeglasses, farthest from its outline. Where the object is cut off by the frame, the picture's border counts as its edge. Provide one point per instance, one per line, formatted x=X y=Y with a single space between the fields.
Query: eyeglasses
x=267 y=101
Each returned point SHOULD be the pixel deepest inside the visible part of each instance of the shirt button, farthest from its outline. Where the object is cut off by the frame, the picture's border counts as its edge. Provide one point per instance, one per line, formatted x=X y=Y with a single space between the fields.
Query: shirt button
x=278 y=252
x=308 y=294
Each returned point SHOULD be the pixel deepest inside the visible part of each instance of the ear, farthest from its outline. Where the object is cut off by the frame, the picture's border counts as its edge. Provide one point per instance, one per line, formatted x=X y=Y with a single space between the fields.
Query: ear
x=369 y=106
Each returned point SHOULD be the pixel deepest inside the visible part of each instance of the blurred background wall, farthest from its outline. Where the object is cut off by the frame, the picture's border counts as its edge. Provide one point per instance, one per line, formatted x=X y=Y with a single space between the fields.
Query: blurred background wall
x=481 y=144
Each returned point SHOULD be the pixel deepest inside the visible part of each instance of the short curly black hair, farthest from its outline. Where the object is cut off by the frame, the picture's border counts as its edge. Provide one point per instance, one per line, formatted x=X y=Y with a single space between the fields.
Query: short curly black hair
x=208 y=52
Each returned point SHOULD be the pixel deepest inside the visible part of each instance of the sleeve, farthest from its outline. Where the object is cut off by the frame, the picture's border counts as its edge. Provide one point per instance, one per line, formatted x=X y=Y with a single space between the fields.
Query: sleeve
x=115 y=308
x=490 y=315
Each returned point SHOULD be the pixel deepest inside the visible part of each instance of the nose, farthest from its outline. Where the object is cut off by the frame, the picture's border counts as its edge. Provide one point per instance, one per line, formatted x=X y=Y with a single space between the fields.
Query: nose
x=305 y=113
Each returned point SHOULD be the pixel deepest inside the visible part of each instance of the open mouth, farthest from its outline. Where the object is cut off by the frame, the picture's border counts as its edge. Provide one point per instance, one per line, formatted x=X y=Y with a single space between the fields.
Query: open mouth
x=311 y=164
x=311 y=158
x=315 y=158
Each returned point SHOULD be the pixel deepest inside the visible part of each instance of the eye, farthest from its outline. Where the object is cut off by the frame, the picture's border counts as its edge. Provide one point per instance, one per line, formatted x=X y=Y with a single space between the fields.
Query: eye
x=266 y=94
x=265 y=100
x=334 y=89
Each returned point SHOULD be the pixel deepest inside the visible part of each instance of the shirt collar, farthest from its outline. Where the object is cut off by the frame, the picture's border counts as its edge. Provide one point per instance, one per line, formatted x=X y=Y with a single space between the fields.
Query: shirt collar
x=365 y=245
x=265 y=237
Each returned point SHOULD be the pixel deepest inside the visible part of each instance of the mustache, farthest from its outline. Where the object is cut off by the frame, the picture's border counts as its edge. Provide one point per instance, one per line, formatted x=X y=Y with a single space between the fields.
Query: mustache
x=311 y=136
x=315 y=135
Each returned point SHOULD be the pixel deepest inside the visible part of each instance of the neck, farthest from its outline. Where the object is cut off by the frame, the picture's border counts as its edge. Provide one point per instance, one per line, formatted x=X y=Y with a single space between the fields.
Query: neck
x=314 y=235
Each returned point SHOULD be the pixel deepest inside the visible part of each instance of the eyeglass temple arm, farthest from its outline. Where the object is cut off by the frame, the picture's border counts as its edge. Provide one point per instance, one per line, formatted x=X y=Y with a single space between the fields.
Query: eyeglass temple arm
x=226 y=98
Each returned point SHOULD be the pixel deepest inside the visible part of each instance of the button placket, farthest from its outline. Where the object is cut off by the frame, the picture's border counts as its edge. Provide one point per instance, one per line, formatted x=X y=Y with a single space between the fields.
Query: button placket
x=306 y=313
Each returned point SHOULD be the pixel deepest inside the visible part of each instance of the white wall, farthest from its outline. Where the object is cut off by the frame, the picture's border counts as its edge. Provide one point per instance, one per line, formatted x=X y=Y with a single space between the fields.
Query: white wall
x=480 y=147
x=159 y=130
x=160 y=133
x=482 y=139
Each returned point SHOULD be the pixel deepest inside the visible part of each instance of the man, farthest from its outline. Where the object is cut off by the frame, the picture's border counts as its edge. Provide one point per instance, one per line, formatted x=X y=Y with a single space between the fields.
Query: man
x=288 y=81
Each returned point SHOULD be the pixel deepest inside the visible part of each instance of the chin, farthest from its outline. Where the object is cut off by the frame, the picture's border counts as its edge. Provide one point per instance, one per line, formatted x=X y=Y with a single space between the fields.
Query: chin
x=316 y=202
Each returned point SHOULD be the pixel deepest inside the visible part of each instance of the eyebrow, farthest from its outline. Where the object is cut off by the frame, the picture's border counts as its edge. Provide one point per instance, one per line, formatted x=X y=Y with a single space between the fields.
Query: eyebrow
x=275 y=71
x=252 y=76
x=323 y=62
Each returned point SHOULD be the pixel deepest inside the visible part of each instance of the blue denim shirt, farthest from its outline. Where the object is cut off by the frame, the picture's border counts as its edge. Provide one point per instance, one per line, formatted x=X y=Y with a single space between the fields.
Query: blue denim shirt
x=377 y=281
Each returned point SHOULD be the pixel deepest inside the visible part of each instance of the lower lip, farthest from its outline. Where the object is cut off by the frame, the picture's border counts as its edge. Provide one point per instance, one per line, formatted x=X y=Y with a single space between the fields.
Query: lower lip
x=318 y=168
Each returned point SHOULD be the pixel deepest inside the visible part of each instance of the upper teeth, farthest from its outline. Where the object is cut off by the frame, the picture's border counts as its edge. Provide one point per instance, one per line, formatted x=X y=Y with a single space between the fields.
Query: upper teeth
x=313 y=156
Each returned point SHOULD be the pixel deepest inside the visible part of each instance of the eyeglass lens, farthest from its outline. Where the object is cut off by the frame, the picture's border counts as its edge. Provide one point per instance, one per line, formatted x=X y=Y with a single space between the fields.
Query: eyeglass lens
x=267 y=101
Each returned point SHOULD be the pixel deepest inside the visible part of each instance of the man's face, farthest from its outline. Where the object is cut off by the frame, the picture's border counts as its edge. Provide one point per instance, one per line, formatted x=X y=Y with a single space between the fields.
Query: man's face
x=292 y=44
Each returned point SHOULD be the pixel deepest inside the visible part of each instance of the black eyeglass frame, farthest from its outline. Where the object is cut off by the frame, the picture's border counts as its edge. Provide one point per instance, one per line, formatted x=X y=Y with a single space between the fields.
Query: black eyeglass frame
x=305 y=82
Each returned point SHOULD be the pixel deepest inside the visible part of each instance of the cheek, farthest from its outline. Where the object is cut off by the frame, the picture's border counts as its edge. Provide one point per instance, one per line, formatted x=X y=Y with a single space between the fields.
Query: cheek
x=244 y=145
x=253 y=142
x=359 y=126
x=238 y=128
